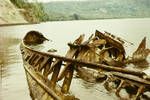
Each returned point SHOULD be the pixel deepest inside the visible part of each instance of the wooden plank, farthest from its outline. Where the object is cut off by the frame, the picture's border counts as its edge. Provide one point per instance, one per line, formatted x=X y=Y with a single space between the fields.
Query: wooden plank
x=53 y=65
x=111 y=41
x=27 y=57
x=43 y=63
x=31 y=58
x=68 y=79
x=70 y=54
x=119 y=87
x=89 y=64
x=131 y=77
x=34 y=59
x=43 y=85
x=47 y=68
x=139 y=92
x=56 y=69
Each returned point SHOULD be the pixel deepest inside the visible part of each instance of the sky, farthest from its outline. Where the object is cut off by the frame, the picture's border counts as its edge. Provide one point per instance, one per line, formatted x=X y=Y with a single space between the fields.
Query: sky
x=53 y=0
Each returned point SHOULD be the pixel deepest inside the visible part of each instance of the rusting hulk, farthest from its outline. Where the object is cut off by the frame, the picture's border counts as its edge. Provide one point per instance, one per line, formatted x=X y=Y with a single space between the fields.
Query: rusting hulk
x=101 y=58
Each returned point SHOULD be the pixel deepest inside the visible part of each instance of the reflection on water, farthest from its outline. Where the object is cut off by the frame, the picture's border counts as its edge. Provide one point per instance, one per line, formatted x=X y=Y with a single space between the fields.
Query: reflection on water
x=12 y=74
x=14 y=86
x=90 y=91
x=7 y=51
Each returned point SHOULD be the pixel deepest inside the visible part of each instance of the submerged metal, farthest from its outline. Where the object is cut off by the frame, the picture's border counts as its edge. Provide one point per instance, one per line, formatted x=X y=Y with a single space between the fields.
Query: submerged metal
x=44 y=70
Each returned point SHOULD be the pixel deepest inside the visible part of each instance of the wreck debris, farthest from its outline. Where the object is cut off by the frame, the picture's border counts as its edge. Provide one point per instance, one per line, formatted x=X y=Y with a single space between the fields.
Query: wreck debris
x=102 y=49
x=139 y=57
x=142 y=52
x=108 y=49
x=70 y=54
x=101 y=59
x=52 y=50
x=79 y=40
x=123 y=81
x=34 y=37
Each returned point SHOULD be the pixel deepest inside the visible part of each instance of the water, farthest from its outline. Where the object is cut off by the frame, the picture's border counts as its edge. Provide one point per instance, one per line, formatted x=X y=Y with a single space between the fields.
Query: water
x=13 y=81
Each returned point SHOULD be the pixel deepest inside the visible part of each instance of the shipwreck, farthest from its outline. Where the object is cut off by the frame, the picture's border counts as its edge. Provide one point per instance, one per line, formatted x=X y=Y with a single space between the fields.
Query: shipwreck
x=101 y=58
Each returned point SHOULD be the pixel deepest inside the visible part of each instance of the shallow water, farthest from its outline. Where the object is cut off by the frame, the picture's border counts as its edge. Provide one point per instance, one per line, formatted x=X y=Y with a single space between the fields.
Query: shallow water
x=13 y=81
x=12 y=74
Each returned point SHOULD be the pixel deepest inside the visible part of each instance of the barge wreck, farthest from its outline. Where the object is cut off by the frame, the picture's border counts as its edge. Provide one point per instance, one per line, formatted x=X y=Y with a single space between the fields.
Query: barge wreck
x=101 y=57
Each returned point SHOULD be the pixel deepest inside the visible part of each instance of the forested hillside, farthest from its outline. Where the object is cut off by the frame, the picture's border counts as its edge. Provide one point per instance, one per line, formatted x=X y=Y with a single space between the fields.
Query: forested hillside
x=98 y=9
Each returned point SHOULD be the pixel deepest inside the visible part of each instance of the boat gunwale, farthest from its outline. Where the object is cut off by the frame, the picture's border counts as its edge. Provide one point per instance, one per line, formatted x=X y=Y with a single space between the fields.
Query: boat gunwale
x=45 y=87
x=88 y=64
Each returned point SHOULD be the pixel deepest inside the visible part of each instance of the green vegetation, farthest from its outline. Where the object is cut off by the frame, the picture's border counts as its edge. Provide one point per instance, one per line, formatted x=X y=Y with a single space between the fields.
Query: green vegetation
x=98 y=9
x=84 y=10
x=33 y=12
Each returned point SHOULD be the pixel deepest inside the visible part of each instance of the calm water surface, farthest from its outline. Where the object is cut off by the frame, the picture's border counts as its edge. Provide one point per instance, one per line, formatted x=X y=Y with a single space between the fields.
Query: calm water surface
x=13 y=80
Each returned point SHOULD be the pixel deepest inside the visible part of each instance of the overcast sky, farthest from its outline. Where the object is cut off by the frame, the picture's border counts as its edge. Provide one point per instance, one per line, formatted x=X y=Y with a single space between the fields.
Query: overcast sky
x=54 y=0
